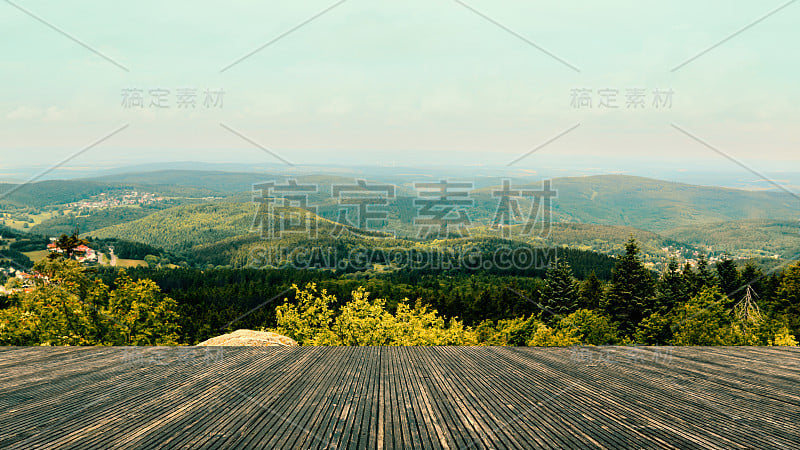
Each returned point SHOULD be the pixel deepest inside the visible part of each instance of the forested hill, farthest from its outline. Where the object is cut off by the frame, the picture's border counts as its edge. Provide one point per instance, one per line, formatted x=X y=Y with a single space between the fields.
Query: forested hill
x=221 y=233
x=44 y=193
x=756 y=237
x=222 y=224
x=656 y=205
x=616 y=200
x=593 y=213
x=183 y=227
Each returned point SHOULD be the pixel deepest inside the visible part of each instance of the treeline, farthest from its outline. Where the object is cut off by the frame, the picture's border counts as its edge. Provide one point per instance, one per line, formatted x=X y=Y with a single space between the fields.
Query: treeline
x=683 y=305
x=122 y=248
x=724 y=305
x=755 y=236
x=30 y=243
x=15 y=259
x=128 y=249
x=635 y=305
x=212 y=301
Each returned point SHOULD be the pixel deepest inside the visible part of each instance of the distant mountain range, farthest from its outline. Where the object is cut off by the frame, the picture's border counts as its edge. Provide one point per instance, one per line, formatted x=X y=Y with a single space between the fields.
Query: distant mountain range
x=549 y=166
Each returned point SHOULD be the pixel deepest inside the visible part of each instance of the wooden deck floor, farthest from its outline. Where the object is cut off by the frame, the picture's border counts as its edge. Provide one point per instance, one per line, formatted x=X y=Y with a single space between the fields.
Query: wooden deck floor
x=394 y=398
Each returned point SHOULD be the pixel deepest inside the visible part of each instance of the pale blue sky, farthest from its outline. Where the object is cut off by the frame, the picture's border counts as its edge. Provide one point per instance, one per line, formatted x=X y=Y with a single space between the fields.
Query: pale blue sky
x=414 y=82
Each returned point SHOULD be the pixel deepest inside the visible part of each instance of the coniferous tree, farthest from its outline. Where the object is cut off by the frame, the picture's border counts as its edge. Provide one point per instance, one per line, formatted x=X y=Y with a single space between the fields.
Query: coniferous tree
x=770 y=285
x=670 y=289
x=631 y=293
x=728 y=275
x=690 y=279
x=591 y=292
x=560 y=294
x=787 y=303
x=705 y=278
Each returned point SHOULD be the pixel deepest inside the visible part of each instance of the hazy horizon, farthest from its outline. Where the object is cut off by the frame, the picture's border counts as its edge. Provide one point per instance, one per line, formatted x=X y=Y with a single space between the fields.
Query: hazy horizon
x=582 y=86
x=706 y=176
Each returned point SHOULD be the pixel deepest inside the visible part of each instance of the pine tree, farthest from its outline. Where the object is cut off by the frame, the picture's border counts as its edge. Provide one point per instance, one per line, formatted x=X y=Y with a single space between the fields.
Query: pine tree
x=591 y=292
x=690 y=280
x=560 y=294
x=787 y=302
x=670 y=289
x=728 y=275
x=68 y=244
x=631 y=293
x=705 y=278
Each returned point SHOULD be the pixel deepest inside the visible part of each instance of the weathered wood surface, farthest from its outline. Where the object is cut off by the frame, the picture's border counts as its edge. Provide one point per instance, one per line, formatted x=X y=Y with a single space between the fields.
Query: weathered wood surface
x=398 y=398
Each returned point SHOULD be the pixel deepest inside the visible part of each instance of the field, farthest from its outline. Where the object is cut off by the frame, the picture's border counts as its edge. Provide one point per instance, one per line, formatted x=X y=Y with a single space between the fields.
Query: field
x=130 y=263
x=36 y=255
x=35 y=218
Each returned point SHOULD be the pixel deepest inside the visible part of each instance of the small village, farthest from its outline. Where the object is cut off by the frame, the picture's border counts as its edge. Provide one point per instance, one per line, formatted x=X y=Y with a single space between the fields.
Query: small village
x=692 y=257
x=108 y=200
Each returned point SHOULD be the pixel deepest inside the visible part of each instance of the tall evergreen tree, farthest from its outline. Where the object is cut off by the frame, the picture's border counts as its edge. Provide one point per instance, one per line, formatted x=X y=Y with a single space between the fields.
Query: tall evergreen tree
x=631 y=293
x=560 y=293
x=705 y=278
x=670 y=289
x=68 y=245
x=728 y=275
x=690 y=279
x=591 y=292
x=787 y=303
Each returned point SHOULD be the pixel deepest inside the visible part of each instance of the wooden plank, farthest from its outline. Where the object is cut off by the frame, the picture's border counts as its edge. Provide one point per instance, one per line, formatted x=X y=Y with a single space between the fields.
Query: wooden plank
x=443 y=397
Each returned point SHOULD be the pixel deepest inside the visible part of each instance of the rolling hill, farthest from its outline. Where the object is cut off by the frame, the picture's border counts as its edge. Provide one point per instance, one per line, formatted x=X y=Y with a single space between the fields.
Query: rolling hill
x=657 y=206
x=90 y=221
x=760 y=238
x=183 y=227
x=219 y=233
x=44 y=193
x=616 y=200
x=594 y=213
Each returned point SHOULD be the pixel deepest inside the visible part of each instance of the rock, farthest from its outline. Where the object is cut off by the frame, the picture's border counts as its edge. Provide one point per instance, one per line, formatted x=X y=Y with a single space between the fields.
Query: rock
x=250 y=338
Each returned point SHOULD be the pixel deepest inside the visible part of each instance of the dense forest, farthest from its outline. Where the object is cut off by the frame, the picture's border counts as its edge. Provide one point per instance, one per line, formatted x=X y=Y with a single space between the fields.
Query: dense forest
x=724 y=305
x=93 y=220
